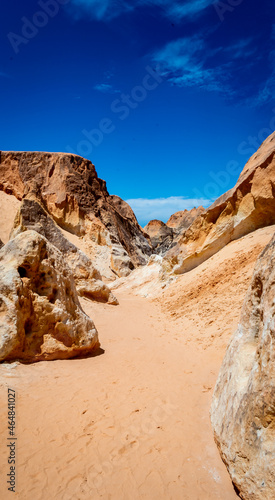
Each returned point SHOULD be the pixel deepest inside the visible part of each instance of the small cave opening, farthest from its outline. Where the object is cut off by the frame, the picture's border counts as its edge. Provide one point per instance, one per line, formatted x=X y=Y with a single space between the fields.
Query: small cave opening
x=22 y=272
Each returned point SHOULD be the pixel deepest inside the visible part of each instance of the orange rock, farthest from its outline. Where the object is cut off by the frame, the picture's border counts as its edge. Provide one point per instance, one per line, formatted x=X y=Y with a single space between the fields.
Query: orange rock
x=79 y=202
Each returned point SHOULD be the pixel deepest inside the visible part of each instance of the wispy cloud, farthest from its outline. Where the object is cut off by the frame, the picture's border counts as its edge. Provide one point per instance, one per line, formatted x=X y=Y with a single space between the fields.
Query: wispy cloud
x=162 y=208
x=176 y=9
x=97 y=9
x=106 y=88
x=109 y=9
x=267 y=92
x=191 y=62
x=184 y=63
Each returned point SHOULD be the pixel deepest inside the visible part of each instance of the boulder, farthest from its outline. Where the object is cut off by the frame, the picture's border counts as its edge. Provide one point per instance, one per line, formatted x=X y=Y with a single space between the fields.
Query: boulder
x=33 y=216
x=243 y=407
x=248 y=206
x=40 y=314
x=79 y=202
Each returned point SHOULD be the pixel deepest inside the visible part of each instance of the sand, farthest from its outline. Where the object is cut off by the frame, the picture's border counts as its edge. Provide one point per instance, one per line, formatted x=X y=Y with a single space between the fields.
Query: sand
x=133 y=422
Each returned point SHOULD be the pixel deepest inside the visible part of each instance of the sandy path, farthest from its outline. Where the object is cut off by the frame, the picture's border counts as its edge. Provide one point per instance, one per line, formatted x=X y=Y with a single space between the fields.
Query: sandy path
x=131 y=423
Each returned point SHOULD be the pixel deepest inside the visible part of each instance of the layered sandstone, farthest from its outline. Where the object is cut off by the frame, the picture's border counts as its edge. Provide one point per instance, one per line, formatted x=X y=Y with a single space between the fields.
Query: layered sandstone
x=243 y=408
x=79 y=202
x=248 y=206
x=40 y=314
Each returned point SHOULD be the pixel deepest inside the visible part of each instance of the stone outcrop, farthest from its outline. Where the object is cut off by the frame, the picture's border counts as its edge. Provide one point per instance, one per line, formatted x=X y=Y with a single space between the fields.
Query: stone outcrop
x=250 y=205
x=182 y=220
x=33 y=216
x=243 y=408
x=161 y=236
x=165 y=236
x=40 y=314
x=79 y=202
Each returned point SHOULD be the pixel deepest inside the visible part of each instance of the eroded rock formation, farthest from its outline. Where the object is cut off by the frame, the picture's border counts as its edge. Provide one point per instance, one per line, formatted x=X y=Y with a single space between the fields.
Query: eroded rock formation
x=243 y=408
x=33 y=216
x=180 y=221
x=40 y=314
x=79 y=202
x=165 y=236
x=248 y=206
x=161 y=236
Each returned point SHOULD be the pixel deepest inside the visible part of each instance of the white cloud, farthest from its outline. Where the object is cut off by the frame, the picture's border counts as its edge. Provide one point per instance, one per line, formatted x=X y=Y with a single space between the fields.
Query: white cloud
x=162 y=208
x=189 y=9
x=267 y=92
x=96 y=8
x=183 y=62
x=106 y=88
x=188 y=61
x=109 y=9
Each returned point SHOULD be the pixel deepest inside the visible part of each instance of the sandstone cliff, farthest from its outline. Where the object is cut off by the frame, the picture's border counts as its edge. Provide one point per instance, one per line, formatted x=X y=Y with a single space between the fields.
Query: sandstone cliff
x=243 y=408
x=79 y=202
x=245 y=208
x=40 y=314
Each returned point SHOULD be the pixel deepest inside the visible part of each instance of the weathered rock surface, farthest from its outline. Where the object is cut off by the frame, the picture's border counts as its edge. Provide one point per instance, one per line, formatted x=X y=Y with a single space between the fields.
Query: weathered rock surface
x=243 y=408
x=161 y=236
x=33 y=216
x=1 y=244
x=182 y=220
x=79 y=202
x=9 y=207
x=165 y=236
x=248 y=206
x=40 y=314
x=145 y=281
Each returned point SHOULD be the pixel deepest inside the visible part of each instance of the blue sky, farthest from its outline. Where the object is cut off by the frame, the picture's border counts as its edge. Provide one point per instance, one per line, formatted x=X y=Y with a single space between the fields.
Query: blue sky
x=167 y=98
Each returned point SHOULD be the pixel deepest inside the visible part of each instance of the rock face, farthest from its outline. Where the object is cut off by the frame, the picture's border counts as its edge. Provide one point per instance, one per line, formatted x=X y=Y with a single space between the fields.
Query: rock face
x=164 y=236
x=180 y=221
x=33 y=216
x=79 y=202
x=161 y=236
x=250 y=205
x=243 y=408
x=40 y=314
x=1 y=244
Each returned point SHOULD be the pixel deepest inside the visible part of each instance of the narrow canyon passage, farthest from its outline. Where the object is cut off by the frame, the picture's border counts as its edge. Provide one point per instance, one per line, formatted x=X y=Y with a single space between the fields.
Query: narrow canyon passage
x=131 y=423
